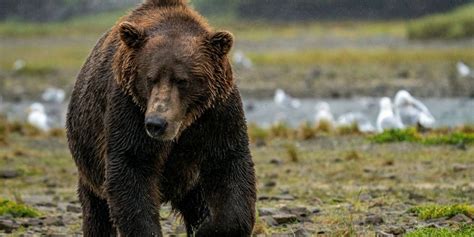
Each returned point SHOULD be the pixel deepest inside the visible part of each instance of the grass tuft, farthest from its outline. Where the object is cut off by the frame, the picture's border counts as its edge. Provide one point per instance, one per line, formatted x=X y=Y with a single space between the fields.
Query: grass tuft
x=4 y=131
x=405 y=135
x=427 y=212
x=306 y=132
x=24 y=129
x=280 y=130
x=292 y=152
x=324 y=126
x=465 y=230
x=348 y=130
x=435 y=138
x=257 y=135
x=16 y=210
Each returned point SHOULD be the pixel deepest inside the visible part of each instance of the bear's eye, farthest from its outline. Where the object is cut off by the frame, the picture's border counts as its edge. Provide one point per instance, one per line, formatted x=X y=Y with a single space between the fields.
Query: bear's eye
x=181 y=82
x=151 y=81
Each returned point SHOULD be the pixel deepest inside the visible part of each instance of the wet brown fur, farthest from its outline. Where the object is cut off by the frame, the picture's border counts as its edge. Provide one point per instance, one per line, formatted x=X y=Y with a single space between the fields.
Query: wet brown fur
x=206 y=173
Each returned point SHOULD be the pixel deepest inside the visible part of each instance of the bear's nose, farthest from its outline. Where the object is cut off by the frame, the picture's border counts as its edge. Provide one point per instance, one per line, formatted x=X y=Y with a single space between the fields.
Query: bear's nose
x=155 y=126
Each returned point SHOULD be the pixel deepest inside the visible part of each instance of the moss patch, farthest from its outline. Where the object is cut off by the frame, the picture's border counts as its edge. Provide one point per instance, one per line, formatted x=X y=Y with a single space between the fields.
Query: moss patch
x=434 y=138
x=14 y=209
x=467 y=230
x=437 y=211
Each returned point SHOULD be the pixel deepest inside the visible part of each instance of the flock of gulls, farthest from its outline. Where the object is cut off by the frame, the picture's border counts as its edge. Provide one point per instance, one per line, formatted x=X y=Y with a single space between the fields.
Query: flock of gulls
x=404 y=111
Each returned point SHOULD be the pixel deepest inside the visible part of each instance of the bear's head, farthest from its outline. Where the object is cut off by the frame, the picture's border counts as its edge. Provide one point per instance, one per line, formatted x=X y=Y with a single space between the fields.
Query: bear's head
x=173 y=65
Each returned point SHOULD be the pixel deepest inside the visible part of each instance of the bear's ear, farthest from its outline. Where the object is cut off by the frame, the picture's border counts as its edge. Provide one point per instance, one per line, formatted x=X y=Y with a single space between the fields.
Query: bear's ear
x=131 y=35
x=221 y=42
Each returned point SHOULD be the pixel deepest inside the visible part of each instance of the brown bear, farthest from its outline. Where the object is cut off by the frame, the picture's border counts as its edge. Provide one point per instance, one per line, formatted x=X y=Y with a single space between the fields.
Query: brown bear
x=155 y=117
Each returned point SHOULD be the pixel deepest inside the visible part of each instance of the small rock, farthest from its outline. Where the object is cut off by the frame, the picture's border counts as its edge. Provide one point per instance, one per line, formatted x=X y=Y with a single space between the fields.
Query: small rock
x=275 y=162
x=459 y=167
x=389 y=163
x=285 y=197
x=322 y=232
x=8 y=225
x=285 y=218
x=461 y=218
x=373 y=220
x=461 y=146
x=74 y=208
x=368 y=170
x=263 y=197
x=315 y=210
x=298 y=211
x=383 y=234
x=269 y=220
x=53 y=221
x=46 y=204
x=395 y=230
x=301 y=233
x=270 y=184
x=32 y=222
x=365 y=197
x=298 y=233
x=415 y=196
x=9 y=174
x=267 y=211
x=389 y=176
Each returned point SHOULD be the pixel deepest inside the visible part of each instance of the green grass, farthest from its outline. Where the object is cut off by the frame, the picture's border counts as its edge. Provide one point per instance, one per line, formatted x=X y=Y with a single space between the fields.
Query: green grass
x=361 y=56
x=4 y=131
x=411 y=135
x=453 y=25
x=427 y=212
x=79 y=26
x=16 y=210
x=465 y=231
x=406 y=135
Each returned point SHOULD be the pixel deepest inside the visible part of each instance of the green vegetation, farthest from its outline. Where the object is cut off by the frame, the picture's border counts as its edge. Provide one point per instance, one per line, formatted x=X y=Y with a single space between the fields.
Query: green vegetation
x=434 y=138
x=16 y=210
x=361 y=56
x=464 y=231
x=427 y=212
x=292 y=152
x=405 y=135
x=4 y=131
x=454 y=25
x=306 y=131
x=86 y=25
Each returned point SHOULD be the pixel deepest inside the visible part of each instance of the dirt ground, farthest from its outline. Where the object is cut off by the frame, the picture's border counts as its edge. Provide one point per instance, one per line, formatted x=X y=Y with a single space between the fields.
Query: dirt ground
x=327 y=186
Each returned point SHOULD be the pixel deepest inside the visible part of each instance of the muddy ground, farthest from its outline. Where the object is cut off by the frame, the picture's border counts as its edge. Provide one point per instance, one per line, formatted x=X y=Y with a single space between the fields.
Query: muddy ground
x=327 y=186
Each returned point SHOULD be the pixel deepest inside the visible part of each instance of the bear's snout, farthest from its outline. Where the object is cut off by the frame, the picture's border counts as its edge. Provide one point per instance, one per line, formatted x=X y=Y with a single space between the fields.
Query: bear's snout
x=155 y=126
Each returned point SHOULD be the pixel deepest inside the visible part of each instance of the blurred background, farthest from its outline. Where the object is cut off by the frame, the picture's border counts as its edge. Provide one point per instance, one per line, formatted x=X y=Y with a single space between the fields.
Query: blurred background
x=347 y=53
x=322 y=81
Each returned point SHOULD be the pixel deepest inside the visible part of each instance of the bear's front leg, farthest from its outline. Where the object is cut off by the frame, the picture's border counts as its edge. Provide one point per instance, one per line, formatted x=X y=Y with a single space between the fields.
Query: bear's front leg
x=229 y=193
x=132 y=196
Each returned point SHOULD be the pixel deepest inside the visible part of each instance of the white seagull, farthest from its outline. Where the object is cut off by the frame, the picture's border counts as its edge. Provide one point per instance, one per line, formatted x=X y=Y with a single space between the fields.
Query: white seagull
x=323 y=113
x=37 y=117
x=363 y=123
x=463 y=69
x=411 y=111
x=53 y=95
x=240 y=59
x=282 y=99
x=386 y=119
